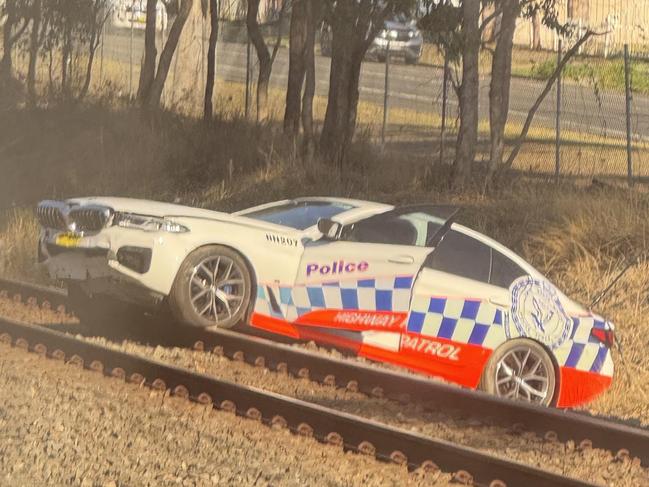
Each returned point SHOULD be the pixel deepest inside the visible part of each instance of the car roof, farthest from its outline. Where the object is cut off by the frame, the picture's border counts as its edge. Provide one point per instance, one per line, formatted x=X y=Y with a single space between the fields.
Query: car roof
x=317 y=199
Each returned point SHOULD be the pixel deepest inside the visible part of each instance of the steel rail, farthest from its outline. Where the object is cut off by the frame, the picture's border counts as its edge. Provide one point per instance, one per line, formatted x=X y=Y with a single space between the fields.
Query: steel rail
x=585 y=430
x=304 y=418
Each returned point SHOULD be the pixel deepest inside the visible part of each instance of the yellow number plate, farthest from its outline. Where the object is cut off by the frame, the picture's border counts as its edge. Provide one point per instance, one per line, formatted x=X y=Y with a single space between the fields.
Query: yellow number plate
x=68 y=240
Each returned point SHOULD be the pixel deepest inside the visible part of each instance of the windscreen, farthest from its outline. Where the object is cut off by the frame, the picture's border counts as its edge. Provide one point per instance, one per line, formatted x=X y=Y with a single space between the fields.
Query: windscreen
x=299 y=214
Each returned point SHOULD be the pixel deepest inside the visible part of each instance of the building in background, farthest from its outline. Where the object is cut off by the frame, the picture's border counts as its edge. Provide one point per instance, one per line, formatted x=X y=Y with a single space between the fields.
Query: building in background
x=621 y=22
x=133 y=12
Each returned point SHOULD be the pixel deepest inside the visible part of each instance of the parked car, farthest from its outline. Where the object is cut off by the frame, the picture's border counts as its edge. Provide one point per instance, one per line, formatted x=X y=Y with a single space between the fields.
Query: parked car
x=400 y=35
x=405 y=285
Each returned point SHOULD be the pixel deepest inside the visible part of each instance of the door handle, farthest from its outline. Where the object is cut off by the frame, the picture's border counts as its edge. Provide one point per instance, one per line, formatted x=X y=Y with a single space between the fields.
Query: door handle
x=500 y=301
x=402 y=259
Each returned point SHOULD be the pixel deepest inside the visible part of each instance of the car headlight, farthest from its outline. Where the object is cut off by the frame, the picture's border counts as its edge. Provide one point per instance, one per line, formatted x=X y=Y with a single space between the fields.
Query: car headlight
x=148 y=223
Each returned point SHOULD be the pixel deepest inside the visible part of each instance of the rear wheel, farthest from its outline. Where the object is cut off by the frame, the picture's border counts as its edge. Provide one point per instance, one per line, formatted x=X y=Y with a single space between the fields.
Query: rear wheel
x=521 y=370
x=212 y=288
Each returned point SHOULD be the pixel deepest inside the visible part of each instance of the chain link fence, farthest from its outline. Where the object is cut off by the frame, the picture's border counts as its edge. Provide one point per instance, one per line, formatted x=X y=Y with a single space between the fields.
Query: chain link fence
x=597 y=125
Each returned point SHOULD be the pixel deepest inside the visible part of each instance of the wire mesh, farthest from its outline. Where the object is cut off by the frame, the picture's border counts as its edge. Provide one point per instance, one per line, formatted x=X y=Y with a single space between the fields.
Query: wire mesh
x=592 y=111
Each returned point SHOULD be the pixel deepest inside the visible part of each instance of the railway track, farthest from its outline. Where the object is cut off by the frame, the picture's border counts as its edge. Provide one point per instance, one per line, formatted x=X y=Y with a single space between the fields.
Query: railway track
x=342 y=430
x=549 y=423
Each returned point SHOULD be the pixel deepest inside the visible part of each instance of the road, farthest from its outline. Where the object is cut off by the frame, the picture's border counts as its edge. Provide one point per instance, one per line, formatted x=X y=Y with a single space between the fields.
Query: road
x=419 y=88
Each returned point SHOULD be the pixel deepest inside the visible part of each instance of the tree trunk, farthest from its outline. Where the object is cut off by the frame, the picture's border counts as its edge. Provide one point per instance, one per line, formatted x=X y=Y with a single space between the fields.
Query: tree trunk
x=211 y=60
x=536 y=31
x=166 y=57
x=6 y=71
x=469 y=93
x=333 y=138
x=97 y=27
x=309 y=85
x=66 y=58
x=489 y=26
x=34 y=46
x=501 y=72
x=147 y=73
x=263 y=56
x=296 y=67
x=548 y=86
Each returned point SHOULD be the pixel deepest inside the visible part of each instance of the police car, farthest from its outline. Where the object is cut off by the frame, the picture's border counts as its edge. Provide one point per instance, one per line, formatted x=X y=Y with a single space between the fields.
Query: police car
x=405 y=285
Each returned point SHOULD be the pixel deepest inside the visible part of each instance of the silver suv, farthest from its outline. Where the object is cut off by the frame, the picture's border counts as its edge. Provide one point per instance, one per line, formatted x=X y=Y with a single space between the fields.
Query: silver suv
x=400 y=34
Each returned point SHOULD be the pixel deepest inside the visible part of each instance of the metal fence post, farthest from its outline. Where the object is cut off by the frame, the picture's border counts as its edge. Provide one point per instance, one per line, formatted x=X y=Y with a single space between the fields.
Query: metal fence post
x=557 y=143
x=442 y=135
x=101 y=56
x=386 y=93
x=627 y=86
x=130 y=52
x=247 y=107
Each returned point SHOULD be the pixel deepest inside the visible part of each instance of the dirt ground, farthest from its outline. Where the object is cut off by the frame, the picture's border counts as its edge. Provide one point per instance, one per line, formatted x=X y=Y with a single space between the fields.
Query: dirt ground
x=597 y=466
x=61 y=425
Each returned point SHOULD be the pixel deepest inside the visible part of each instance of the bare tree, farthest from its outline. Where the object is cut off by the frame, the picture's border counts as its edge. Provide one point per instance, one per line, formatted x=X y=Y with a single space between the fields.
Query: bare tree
x=309 y=84
x=548 y=86
x=17 y=16
x=264 y=55
x=97 y=16
x=211 y=59
x=296 y=67
x=181 y=16
x=354 y=26
x=147 y=72
x=469 y=91
x=536 y=31
x=35 y=42
x=501 y=73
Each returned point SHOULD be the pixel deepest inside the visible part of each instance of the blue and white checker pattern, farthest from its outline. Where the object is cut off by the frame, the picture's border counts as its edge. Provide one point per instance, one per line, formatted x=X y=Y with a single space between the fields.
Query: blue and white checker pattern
x=376 y=294
x=583 y=351
x=459 y=320
x=480 y=323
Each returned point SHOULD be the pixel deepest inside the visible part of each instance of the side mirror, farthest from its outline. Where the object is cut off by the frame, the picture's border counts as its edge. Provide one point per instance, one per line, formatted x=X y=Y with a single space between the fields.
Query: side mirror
x=329 y=228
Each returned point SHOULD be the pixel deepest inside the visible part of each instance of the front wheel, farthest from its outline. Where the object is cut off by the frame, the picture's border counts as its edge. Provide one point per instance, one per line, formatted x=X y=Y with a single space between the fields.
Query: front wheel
x=212 y=288
x=521 y=370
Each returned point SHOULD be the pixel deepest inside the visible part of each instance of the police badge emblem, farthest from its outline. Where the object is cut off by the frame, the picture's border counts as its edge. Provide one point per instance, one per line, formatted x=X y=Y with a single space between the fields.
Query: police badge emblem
x=537 y=313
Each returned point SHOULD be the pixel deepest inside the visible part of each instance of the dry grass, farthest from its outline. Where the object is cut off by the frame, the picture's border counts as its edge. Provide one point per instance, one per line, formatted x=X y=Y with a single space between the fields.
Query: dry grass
x=579 y=235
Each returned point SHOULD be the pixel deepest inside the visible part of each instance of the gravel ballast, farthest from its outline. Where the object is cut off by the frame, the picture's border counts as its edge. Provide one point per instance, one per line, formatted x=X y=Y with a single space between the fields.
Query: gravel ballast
x=62 y=425
x=594 y=465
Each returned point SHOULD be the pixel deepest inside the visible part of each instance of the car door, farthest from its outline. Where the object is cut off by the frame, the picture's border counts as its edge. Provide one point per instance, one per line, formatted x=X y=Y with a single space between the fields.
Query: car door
x=459 y=308
x=361 y=283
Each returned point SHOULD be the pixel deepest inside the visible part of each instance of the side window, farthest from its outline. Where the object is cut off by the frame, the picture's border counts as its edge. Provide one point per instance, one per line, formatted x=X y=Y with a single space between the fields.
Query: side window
x=463 y=256
x=416 y=229
x=504 y=271
x=382 y=229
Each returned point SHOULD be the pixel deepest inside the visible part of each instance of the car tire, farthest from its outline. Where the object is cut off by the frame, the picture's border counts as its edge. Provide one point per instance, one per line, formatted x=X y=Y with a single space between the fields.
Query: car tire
x=102 y=314
x=212 y=289
x=412 y=60
x=521 y=369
